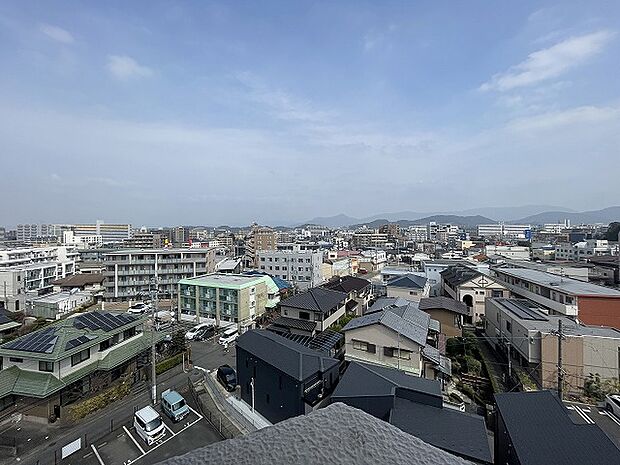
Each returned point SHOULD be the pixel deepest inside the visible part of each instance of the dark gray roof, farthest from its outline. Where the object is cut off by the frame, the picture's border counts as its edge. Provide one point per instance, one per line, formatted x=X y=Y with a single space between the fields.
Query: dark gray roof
x=383 y=302
x=458 y=274
x=317 y=299
x=335 y=435
x=296 y=360
x=408 y=321
x=4 y=317
x=295 y=323
x=456 y=432
x=443 y=303
x=409 y=281
x=364 y=379
x=347 y=284
x=542 y=432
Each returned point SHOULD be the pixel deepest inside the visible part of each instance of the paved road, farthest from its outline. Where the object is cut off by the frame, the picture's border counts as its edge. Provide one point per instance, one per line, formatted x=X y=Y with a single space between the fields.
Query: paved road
x=585 y=413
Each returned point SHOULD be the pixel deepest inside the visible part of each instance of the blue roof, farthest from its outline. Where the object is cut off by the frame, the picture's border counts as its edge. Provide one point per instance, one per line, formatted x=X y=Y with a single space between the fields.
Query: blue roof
x=281 y=283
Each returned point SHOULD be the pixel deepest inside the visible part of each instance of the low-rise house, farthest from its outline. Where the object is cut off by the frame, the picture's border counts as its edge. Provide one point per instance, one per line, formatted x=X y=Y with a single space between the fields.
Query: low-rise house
x=229 y=265
x=414 y=405
x=90 y=282
x=58 y=304
x=281 y=378
x=395 y=333
x=225 y=299
x=312 y=311
x=591 y=304
x=410 y=286
x=471 y=287
x=358 y=290
x=522 y=329
x=535 y=428
x=53 y=367
x=7 y=324
x=448 y=312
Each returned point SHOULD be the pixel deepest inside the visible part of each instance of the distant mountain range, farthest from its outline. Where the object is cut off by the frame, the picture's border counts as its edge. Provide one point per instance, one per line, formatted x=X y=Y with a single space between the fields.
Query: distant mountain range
x=533 y=214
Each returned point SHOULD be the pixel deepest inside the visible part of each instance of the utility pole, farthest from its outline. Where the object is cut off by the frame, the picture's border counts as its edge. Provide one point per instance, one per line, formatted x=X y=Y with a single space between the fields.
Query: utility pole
x=560 y=369
x=509 y=360
x=153 y=352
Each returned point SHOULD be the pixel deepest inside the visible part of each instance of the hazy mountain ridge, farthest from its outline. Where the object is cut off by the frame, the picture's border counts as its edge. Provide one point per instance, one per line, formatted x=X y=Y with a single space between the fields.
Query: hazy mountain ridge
x=604 y=215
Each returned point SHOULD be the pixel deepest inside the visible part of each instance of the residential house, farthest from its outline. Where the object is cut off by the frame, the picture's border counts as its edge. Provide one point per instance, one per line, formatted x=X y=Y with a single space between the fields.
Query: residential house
x=281 y=378
x=225 y=299
x=312 y=311
x=591 y=304
x=50 y=368
x=522 y=329
x=410 y=286
x=471 y=287
x=535 y=428
x=57 y=304
x=358 y=290
x=395 y=333
x=448 y=312
x=7 y=324
x=414 y=405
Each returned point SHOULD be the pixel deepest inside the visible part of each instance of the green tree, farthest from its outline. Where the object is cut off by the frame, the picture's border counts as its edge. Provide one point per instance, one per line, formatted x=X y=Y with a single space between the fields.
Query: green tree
x=612 y=231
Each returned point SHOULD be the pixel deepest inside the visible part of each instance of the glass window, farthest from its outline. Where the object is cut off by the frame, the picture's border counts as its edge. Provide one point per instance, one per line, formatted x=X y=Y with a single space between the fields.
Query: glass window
x=80 y=357
x=46 y=366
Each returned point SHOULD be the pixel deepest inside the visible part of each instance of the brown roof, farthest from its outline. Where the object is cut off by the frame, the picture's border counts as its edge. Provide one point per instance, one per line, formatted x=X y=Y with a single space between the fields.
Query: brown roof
x=79 y=280
x=443 y=303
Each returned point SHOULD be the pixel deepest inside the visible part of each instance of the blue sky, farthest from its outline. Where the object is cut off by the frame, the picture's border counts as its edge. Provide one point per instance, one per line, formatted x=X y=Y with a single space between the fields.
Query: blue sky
x=231 y=112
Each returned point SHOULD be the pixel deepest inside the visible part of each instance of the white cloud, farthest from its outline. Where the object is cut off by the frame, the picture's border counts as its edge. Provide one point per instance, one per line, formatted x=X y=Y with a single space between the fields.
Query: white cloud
x=125 y=68
x=559 y=119
x=550 y=62
x=56 y=33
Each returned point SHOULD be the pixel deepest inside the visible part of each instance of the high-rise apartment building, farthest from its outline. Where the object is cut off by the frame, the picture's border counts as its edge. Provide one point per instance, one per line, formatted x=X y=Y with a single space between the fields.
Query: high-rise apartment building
x=260 y=238
x=300 y=268
x=128 y=273
x=503 y=230
x=109 y=232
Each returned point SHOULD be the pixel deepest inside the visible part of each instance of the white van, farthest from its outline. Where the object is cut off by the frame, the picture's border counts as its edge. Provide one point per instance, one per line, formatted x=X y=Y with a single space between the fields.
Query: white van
x=148 y=425
x=230 y=335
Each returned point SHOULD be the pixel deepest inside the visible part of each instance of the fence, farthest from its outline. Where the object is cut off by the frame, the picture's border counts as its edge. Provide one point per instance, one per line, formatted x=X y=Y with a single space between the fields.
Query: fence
x=209 y=410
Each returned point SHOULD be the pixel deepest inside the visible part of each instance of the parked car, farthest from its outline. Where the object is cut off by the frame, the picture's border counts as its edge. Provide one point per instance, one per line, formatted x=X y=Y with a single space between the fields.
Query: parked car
x=205 y=333
x=612 y=404
x=149 y=425
x=191 y=334
x=227 y=377
x=228 y=336
x=173 y=404
x=139 y=308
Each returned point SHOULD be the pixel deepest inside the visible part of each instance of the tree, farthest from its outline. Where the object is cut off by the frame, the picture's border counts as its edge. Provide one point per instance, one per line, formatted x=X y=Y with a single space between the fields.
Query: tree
x=612 y=231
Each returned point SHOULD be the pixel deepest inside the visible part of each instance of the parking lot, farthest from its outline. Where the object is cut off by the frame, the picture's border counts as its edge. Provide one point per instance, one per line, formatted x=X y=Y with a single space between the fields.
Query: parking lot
x=124 y=445
x=590 y=414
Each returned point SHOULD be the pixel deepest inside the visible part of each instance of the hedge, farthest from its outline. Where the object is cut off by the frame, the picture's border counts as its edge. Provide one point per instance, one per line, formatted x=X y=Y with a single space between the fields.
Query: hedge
x=79 y=411
x=168 y=363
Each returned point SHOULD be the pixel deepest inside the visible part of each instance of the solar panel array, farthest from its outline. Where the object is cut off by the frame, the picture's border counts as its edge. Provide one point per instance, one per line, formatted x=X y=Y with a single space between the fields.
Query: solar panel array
x=78 y=341
x=42 y=342
x=104 y=321
x=523 y=311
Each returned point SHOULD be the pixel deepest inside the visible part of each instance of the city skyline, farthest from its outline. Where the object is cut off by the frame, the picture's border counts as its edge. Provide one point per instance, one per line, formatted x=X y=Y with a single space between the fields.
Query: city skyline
x=239 y=112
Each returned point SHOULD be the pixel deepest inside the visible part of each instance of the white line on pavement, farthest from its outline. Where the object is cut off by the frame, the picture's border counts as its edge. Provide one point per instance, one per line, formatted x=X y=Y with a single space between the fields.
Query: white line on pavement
x=134 y=440
x=584 y=415
x=97 y=454
x=612 y=417
x=169 y=430
x=195 y=412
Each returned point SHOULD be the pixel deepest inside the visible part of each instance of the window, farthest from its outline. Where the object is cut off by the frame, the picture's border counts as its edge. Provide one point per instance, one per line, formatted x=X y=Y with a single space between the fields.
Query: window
x=363 y=345
x=46 y=366
x=304 y=315
x=394 y=352
x=16 y=360
x=497 y=293
x=80 y=357
x=509 y=326
x=131 y=332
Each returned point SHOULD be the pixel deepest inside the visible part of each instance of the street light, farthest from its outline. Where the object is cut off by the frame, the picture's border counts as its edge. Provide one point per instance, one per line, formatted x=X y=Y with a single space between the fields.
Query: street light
x=252 y=386
x=153 y=293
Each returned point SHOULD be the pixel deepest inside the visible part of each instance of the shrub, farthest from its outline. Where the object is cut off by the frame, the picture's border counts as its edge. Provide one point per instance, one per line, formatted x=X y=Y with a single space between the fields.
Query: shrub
x=102 y=400
x=169 y=363
x=474 y=367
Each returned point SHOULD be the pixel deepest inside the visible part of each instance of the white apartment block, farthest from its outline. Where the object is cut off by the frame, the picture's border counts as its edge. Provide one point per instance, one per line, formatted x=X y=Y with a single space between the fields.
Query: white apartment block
x=503 y=230
x=298 y=267
x=584 y=250
x=108 y=232
x=508 y=251
x=417 y=233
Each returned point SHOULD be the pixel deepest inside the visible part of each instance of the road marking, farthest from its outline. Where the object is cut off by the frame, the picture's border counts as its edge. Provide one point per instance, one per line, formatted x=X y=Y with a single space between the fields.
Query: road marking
x=97 y=454
x=612 y=417
x=168 y=438
x=195 y=412
x=584 y=415
x=134 y=440
x=166 y=426
x=570 y=407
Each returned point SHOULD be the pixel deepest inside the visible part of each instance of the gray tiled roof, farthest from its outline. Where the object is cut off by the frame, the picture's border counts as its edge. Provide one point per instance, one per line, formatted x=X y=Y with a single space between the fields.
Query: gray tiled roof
x=317 y=299
x=443 y=303
x=542 y=432
x=458 y=274
x=410 y=281
x=383 y=302
x=409 y=321
x=296 y=360
x=296 y=323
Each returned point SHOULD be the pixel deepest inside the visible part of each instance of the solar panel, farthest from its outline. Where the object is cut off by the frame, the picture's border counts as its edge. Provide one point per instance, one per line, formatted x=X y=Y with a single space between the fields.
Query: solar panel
x=523 y=311
x=104 y=321
x=78 y=341
x=42 y=341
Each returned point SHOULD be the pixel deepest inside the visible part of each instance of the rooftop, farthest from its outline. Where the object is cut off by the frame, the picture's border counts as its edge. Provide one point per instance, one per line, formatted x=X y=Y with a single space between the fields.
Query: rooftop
x=159 y=251
x=458 y=274
x=225 y=280
x=296 y=360
x=531 y=416
x=308 y=439
x=443 y=303
x=409 y=281
x=317 y=299
x=563 y=284
x=79 y=280
x=347 y=284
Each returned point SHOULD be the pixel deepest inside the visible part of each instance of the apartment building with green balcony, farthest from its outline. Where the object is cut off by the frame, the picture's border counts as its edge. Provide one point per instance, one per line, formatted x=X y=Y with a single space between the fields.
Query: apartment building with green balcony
x=223 y=298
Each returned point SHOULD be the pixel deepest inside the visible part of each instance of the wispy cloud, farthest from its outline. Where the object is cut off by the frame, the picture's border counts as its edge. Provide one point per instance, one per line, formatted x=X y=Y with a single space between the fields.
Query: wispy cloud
x=56 y=33
x=125 y=68
x=550 y=62
x=378 y=38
